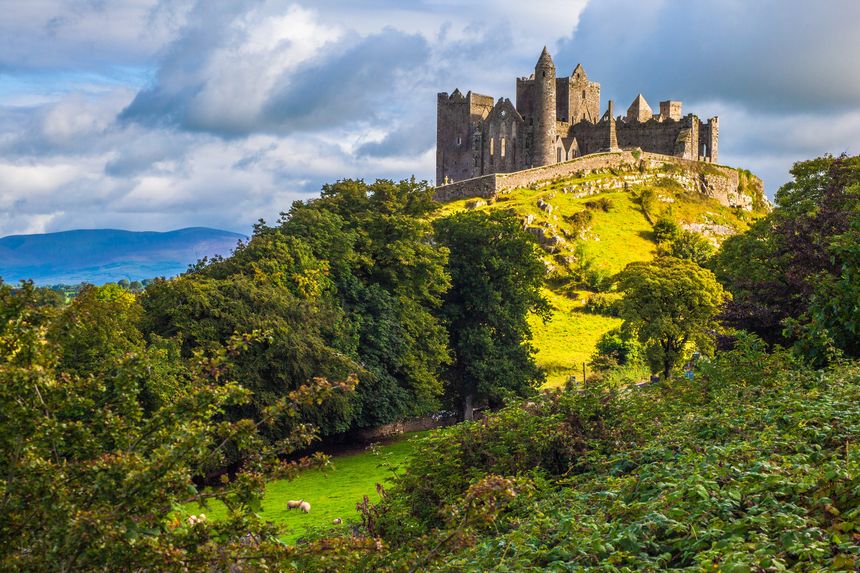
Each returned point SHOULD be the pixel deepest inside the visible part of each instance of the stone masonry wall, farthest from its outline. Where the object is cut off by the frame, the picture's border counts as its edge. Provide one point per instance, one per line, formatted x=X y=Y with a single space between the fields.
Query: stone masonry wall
x=720 y=183
x=484 y=186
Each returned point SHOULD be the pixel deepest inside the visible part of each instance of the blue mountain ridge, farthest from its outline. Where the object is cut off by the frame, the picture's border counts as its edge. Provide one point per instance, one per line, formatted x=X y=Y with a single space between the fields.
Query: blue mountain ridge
x=107 y=255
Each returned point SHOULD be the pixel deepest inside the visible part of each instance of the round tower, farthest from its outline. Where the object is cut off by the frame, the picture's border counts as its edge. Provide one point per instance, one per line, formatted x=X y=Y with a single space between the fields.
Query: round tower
x=544 y=111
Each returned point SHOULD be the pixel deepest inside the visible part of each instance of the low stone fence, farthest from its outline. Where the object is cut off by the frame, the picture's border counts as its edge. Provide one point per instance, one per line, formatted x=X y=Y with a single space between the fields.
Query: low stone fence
x=715 y=181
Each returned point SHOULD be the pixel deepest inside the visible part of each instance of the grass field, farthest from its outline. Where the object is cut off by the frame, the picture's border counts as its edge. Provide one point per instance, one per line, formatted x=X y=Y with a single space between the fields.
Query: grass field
x=332 y=493
x=614 y=238
x=568 y=339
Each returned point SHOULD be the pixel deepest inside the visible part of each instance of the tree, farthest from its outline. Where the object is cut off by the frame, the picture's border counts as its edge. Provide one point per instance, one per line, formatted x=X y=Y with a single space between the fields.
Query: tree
x=389 y=278
x=92 y=481
x=496 y=279
x=692 y=247
x=294 y=345
x=830 y=327
x=669 y=303
x=773 y=269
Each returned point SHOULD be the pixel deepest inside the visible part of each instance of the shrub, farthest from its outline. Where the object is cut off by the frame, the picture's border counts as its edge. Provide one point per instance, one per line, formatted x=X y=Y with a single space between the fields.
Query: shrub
x=603 y=204
x=579 y=222
x=692 y=247
x=616 y=348
x=665 y=231
x=598 y=279
x=603 y=303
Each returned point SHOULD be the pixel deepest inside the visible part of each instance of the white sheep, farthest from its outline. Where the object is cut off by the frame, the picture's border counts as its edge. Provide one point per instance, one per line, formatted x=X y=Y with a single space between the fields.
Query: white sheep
x=305 y=506
x=194 y=519
x=294 y=503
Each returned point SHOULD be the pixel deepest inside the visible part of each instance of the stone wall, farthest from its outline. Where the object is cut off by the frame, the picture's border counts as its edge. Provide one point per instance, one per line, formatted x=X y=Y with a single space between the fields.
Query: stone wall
x=484 y=186
x=721 y=183
x=458 y=134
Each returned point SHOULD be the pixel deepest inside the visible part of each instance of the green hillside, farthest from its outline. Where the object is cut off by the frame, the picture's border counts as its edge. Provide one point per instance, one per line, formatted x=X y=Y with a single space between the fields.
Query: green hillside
x=616 y=231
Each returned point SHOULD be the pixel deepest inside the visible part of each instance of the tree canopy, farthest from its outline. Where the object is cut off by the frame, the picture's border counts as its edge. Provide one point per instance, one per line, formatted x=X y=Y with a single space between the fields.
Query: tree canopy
x=496 y=279
x=774 y=269
x=670 y=303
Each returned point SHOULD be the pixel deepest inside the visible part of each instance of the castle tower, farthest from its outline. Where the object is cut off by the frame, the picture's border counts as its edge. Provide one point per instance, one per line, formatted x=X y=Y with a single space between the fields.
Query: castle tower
x=544 y=113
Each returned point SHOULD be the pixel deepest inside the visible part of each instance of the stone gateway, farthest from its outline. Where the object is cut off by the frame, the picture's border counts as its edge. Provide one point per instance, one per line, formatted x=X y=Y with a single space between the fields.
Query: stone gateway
x=556 y=119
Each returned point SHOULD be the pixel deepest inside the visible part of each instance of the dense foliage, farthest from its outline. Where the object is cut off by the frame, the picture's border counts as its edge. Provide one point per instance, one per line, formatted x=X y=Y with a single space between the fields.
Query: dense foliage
x=670 y=303
x=795 y=255
x=496 y=276
x=346 y=282
x=754 y=467
x=96 y=466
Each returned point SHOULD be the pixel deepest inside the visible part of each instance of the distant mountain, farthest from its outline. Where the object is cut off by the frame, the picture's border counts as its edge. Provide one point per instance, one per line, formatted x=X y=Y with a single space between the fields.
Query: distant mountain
x=107 y=255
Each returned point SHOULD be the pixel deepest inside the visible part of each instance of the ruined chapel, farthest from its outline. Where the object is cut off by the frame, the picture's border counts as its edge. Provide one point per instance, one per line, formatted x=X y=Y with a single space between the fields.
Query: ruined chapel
x=556 y=119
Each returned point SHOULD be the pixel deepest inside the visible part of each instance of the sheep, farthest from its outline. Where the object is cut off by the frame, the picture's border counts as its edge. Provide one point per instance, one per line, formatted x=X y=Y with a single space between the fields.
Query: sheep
x=194 y=519
x=336 y=521
x=294 y=503
x=305 y=507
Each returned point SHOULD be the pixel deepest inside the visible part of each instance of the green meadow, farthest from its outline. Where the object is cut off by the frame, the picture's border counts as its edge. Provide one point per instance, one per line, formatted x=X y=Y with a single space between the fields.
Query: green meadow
x=333 y=492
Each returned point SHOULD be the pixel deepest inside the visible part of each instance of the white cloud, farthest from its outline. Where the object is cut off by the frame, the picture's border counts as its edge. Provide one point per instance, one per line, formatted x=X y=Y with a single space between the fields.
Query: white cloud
x=235 y=109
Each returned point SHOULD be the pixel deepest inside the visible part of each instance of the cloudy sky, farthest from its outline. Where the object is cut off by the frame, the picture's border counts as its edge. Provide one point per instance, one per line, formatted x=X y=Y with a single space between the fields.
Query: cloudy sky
x=160 y=114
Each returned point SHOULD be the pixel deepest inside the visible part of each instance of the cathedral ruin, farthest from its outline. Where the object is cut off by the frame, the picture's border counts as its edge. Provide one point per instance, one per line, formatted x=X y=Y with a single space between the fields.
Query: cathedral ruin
x=556 y=119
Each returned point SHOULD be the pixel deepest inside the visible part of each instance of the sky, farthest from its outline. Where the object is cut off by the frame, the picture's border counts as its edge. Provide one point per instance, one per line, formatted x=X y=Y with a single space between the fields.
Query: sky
x=157 y=114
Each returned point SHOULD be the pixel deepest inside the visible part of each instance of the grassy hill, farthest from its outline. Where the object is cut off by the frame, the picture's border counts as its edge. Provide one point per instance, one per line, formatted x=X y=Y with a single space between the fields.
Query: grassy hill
x=599 y=223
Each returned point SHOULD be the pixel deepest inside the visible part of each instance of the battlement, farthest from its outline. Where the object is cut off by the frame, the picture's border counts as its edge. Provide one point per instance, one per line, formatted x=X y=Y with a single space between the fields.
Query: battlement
x=557 y=119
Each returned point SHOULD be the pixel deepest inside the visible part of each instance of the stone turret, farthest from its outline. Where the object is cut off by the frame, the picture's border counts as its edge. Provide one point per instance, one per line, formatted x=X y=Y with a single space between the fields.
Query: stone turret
x=543 y=152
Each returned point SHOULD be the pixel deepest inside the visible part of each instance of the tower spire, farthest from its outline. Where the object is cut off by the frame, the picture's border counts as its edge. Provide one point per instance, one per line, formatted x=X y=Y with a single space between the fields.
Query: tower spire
x=544 y=113
x=545 y=59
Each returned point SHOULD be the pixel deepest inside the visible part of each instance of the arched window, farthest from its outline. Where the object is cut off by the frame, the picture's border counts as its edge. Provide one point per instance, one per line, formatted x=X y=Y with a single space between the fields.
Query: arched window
x=502 y=146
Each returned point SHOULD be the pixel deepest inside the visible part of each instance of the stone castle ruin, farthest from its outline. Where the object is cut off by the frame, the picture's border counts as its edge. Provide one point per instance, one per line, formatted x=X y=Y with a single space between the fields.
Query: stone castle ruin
x=556 y=120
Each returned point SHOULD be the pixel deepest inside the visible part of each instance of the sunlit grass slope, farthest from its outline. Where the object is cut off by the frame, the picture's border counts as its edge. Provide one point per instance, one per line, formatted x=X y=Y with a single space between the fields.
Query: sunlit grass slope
x=613 y=239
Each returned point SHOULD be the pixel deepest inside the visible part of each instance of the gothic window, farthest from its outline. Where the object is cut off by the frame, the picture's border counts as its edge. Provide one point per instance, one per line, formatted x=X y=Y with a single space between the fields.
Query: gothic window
x=583 y=94
x=502 y=147
x=492 y=148
x=459 y=141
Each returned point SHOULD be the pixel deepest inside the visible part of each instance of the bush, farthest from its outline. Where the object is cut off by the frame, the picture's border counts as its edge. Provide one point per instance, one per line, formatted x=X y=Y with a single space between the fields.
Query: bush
x=665 y=231
x=598 y=279
x=579 y=222
x=603 y=204
x=616 y=348
x=603 y=303
x=692 y=247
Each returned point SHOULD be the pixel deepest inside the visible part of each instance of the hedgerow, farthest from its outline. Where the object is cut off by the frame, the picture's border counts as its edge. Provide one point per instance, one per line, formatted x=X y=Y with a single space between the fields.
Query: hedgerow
x=752 y=466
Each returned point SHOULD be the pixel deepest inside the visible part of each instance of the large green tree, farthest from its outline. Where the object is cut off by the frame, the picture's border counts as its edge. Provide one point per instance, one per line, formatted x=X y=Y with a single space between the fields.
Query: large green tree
x=388 y=279
x=348 y=282
x=496 y=279
x=774 y=269
x=670 y=303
